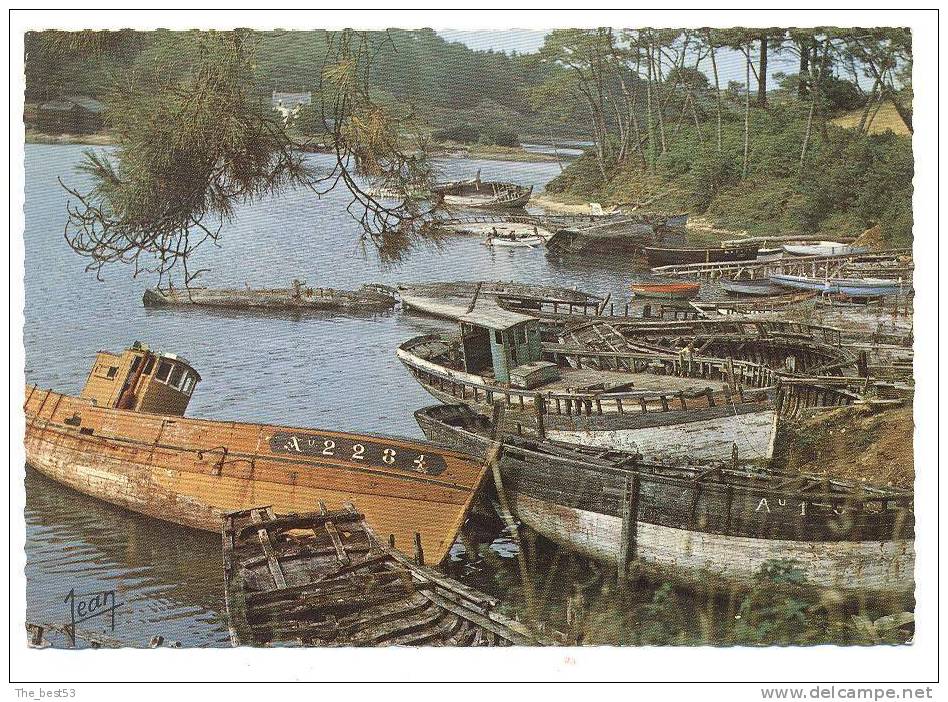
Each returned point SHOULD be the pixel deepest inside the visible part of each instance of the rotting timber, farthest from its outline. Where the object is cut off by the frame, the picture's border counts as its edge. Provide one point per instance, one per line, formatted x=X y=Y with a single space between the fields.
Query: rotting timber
x=298 y=297
x=325 y=579
x=125 y=440
x=705 y=524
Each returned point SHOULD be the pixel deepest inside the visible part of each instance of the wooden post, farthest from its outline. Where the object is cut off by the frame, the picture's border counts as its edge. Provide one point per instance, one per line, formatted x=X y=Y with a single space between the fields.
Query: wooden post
x=539 y=404
x=734 y=458
x=391 y=540
x=627 y=538
x=419 y=554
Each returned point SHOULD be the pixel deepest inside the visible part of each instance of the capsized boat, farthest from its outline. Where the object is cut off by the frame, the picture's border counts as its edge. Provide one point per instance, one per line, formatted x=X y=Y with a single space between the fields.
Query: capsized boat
x=666 y=291
x=325 y=579
x=125 y=440
x=851 y=287
x=298 y=297
x=824 y=248
x=702 y=523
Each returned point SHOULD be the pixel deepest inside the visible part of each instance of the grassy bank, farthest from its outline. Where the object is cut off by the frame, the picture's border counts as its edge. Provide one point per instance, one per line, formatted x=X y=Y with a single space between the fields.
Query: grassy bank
x=848 y=182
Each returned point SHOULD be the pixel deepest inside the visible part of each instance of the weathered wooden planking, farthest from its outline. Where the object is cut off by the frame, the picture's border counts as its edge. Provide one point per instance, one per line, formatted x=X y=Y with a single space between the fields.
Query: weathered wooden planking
x=703 y=560
x=190 y=471
x=339 y=585
x=752 y=432
x=688 y=516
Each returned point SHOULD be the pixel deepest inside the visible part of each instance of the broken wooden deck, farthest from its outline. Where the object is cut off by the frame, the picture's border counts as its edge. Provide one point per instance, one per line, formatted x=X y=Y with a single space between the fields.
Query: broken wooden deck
x=325 y=579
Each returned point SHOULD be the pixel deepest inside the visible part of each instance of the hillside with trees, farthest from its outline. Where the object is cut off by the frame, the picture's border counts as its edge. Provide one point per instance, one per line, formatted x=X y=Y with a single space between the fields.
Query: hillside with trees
x=763 y=154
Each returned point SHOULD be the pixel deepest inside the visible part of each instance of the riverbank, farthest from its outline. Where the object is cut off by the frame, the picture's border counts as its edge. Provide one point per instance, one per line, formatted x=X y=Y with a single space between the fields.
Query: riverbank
x=97 y=139
x=497 y=153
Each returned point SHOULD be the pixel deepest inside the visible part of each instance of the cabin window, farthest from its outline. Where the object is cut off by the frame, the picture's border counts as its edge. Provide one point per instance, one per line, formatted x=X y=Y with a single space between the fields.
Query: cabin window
x=110 y=373
x=135 y=362
x=149 y=364
x=176 y=376
x=498 y=338
x=188 y=385
x=164 y=370
x=522 y=334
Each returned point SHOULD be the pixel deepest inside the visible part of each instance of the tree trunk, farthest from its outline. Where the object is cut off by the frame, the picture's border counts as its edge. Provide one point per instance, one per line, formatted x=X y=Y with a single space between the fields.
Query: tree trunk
x=661 y=103
x=650 y=122
x=804 y=73
x=717 y=88
x=747 y=107
x=762 y=73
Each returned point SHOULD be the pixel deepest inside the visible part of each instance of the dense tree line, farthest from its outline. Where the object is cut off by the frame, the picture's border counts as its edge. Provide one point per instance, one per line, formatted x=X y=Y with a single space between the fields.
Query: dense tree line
x=658 y=108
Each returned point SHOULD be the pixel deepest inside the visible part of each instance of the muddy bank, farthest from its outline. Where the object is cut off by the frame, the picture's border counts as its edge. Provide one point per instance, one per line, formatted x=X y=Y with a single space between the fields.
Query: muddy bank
x=854 y=443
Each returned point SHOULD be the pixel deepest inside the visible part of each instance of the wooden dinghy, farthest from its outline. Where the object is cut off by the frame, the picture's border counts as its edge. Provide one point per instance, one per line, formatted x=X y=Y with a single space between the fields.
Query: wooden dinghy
x=666 y=291
x=325 y=579
x=824 y=248
x=672 y=256
x=761 y=287
x=125 y=440
x=298 y=297
x=703 y=524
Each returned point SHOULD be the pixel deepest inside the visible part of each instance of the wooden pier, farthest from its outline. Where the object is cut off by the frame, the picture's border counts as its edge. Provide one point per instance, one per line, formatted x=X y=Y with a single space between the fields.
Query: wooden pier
x=812 y=266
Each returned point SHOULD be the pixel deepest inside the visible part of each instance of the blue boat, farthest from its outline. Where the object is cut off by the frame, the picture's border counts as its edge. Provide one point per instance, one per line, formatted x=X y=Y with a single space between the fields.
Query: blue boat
x=852 y=287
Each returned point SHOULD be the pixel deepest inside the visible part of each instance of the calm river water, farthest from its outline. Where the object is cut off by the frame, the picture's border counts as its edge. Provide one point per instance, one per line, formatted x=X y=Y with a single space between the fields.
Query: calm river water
x=331 y=371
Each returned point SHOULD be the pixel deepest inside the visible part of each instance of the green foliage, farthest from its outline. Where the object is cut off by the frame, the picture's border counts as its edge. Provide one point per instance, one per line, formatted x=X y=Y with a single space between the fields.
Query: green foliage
x=462 y=133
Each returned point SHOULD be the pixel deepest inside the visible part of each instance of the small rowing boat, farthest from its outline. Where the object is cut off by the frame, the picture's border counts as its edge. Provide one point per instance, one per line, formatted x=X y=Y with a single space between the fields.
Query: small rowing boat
x=666 y=291
x=824 y=248
x=529 y=241
x=851 y=287
x=325 y=579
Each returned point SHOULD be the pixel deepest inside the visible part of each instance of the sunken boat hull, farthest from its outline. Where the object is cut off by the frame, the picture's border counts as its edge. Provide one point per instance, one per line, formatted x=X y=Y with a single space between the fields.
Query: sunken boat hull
x=326 y=579
x=702 y=524
x=297 y=298
x=158 y=463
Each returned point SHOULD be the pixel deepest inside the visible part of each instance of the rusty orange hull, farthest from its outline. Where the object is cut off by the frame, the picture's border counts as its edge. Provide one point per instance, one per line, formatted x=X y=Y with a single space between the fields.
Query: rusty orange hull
x=191 y=471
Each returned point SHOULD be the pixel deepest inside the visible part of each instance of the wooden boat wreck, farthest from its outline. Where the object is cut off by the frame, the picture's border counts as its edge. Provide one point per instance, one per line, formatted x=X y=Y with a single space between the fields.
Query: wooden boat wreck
x=478 y=193
x=666 y=291
x=125 y=440
x=643 y=400
x=708 y=525
x=455 y=299
x=298 y=297
x=671 y=256
x=851 y=287
x=325 y=579
x=610 y=235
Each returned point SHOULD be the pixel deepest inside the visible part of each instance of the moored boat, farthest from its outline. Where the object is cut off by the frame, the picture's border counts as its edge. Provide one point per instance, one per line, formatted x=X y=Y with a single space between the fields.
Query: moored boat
x=704 y=524
x=824 y=248
x=747 y=286
x=670 y=256
x=298 y=297
x=666 y=291
x=325 y=579
x=529 y=241
x=125 y=440
x=851 y=287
